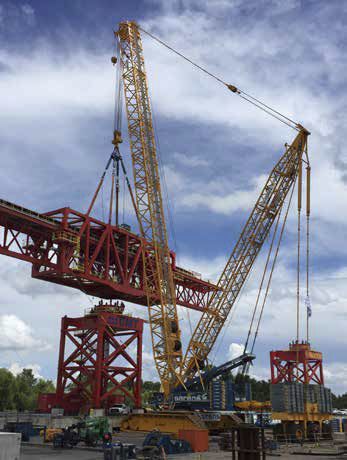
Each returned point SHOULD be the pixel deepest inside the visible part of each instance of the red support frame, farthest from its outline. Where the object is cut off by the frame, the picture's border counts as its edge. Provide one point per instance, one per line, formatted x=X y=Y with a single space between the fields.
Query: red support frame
x=73 y=249
x=299 y=364
x=100 y=361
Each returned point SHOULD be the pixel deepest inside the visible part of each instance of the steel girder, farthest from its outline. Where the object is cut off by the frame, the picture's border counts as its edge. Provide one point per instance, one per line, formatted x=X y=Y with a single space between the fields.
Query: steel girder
x=69 y=248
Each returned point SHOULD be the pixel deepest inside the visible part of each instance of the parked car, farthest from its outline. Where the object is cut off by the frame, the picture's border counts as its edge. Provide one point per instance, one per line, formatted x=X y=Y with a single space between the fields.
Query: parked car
x=119 y=409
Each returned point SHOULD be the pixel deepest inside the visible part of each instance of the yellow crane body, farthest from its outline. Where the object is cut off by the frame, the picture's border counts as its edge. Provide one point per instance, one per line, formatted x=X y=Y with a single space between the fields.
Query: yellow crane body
x=163 y=317
x=173 y=368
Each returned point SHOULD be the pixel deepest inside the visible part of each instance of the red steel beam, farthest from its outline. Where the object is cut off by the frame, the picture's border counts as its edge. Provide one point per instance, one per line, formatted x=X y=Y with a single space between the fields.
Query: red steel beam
x=72 y=249
x=297 y=364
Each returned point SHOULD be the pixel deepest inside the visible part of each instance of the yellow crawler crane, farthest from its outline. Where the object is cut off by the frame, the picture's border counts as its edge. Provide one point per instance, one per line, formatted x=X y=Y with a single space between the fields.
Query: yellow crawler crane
x=173 y=370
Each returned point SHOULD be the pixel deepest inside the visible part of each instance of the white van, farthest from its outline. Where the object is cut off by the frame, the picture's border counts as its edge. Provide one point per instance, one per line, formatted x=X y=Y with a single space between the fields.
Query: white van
x=119 y=409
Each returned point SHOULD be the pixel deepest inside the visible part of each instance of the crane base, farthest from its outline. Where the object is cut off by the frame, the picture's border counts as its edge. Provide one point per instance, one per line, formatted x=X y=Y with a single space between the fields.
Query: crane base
x=173 y=421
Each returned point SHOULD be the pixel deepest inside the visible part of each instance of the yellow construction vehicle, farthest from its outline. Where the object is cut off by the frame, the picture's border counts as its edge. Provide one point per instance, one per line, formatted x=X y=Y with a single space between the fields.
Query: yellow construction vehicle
x=173 y=368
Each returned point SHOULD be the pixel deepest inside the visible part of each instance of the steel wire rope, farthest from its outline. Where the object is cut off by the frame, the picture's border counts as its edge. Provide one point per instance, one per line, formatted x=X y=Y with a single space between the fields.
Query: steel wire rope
x=102 y=203
x=246 y=367
x=118 y=106
x=308 y=212
x=244 y=95
x=262 y=280
x=168 y=201
x=273 y=267
x=232 y=314
x=117 y=126
x=233 y=311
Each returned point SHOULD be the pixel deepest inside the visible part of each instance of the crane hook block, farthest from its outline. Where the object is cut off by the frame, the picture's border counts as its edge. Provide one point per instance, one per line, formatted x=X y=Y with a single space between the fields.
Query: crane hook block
x=117 y=138
x=233 y=88
x=114 y=60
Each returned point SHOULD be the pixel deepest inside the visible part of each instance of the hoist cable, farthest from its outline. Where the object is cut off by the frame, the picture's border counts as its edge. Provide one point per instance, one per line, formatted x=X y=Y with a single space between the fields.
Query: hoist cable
x=118 y=93
x=308 y=212
x=298 y=261
x=169 y=205
x=246 y=96
x=273 y=267
x=231 y=316
x=246 y=367
x=262 y=280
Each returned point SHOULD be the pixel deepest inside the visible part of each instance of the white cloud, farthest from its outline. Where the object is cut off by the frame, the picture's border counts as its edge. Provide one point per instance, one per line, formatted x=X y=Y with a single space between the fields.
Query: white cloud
x=81 y=83
x=235 y=350
x=15 y=334
x=29 y=13
x=190 y=160
x=226 y=203
x=16 y=369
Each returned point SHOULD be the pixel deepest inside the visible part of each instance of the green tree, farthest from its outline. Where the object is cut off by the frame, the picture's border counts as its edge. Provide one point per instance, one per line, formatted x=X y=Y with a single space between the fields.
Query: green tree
x=340 y=401
x=148 y=388
x=7 y=390
x=21 y=392
x=24 y=393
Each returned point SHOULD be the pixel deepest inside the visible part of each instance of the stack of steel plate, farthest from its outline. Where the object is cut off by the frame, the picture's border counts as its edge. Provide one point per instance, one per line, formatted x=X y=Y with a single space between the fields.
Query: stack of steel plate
x=224 y=393
x=279 y=397
x=229 y=394
x=287 y=397
x=335 y=425
x=310 y=394
x=216 y=394
x=323 y=397
x=292 y=397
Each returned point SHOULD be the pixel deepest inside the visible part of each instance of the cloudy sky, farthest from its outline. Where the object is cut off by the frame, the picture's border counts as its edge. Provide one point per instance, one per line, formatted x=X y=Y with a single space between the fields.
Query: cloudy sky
x=57 y=101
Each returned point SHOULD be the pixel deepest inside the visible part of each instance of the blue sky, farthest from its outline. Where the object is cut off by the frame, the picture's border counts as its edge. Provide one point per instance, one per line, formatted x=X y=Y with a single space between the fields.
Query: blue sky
x=57 y=96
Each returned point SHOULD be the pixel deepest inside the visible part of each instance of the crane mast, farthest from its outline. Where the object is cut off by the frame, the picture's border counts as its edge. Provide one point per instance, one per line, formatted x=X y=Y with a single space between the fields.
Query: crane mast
x=281 y=179
x=163 y=316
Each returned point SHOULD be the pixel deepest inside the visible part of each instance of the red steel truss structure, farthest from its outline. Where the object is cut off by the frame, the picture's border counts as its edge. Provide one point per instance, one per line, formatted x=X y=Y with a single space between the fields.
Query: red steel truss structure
x=299 y=364
x=100 y=360
x=100 y=259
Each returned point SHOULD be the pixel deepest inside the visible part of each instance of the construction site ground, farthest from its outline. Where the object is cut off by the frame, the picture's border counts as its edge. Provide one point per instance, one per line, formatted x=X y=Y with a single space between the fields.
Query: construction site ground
x=39 y=451
x=43 y=453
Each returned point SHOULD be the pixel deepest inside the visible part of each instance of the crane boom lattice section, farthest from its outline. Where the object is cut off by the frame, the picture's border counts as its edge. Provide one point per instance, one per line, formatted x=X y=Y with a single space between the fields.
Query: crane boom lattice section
x=163 y=316
x=255 y=232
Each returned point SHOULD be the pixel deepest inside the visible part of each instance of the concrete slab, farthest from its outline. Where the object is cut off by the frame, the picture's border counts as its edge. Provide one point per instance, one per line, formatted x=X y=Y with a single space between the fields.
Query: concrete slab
x=43 y=453
x=10 y=446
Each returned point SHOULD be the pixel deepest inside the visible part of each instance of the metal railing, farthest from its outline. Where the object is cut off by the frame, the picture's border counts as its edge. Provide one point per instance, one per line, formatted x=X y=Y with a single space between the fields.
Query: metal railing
x=27 y=212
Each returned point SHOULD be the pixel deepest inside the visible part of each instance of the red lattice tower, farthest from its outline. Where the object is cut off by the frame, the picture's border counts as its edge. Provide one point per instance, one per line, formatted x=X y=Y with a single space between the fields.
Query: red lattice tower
x=100 y=360
x=298 y=364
